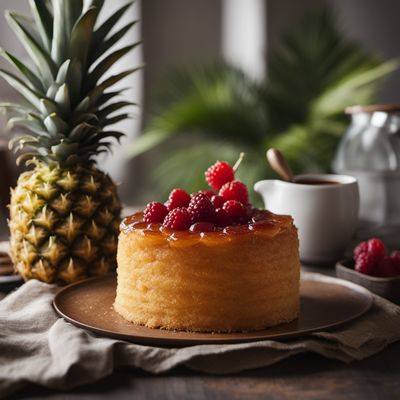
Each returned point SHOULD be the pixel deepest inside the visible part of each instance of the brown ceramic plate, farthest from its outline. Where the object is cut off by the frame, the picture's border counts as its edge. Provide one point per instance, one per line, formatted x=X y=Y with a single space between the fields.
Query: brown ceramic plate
x=384 y=287
x=325 y=303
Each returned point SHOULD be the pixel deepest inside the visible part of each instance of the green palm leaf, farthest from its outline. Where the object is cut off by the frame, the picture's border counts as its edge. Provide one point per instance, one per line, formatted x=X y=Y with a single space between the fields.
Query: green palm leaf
x=219 y=100
x=313 y=74
x=359 y=86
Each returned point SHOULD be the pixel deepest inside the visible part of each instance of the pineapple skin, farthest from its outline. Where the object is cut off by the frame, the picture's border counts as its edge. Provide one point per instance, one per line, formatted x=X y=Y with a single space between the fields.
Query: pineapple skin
x=64 y=223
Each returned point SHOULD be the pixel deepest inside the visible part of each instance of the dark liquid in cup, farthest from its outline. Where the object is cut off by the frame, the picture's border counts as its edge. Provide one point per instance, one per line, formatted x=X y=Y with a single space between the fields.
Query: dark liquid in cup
x=316 y=182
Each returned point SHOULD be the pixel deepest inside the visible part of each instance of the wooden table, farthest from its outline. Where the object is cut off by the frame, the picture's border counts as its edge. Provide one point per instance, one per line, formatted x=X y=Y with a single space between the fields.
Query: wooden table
x=306 y=376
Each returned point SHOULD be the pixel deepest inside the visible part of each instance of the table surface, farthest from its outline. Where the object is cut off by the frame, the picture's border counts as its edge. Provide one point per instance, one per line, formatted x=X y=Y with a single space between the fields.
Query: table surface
x=306 y=376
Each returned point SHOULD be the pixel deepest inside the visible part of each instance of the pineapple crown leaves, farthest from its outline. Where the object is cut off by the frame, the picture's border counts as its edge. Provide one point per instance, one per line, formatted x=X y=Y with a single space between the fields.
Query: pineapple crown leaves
x=68 y=101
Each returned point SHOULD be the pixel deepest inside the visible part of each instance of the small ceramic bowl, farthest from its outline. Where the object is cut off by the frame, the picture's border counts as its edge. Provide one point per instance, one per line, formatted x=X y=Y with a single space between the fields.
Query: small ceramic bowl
x=384 y=287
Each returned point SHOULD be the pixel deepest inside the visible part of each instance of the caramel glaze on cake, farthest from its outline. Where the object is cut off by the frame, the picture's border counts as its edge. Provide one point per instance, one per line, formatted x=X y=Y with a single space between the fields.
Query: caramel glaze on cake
x=240 y=278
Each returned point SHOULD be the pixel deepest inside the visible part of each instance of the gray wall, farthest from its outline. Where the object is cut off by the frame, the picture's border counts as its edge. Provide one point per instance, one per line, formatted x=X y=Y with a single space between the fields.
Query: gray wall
x=375 y=24
x=177 y=32
x=183 y=31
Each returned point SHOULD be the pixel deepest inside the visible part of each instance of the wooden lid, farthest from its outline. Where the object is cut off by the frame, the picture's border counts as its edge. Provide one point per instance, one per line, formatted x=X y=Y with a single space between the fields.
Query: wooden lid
x=373 y=108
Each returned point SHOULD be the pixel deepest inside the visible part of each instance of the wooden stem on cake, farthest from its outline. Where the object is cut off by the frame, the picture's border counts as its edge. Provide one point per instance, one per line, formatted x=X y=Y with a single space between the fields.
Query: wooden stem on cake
x=239 y=160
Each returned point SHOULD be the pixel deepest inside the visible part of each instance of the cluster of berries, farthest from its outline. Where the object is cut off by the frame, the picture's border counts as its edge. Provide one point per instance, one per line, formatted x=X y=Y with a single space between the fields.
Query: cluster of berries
x=371 y=258
x=226 y=203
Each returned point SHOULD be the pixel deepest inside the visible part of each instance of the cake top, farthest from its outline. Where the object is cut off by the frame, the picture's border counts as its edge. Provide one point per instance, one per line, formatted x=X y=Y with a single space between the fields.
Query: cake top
x=223 y=210
x=261 y=222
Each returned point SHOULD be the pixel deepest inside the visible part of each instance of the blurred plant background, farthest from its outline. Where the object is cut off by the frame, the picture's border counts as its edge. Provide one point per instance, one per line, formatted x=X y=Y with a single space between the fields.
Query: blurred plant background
x=215 y=110
x=225 y=76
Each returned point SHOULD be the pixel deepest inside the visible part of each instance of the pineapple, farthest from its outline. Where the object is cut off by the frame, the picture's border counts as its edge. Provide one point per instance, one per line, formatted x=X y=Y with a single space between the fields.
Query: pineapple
x=64 y=211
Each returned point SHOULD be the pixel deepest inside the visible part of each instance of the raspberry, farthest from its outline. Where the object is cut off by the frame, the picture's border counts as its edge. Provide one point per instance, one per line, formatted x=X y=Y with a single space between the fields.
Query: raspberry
x=235 y=190
x=217 y=201
x=202 y=227
x=376 y=248
x=178 y=218
x=248 y=215
x=361 y=248
x=221 y=218
x=365 y=263
x=154 y=212
x=209 y=193
x=218 y=174
x=235 y=210
x=395 y=257
x=178 y=198
x=200 y=208
x=386 y=268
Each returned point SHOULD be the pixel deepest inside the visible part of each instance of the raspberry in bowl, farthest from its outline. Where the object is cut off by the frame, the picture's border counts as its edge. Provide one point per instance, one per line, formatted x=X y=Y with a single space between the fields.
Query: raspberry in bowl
x=374 y=268
x=208 y=261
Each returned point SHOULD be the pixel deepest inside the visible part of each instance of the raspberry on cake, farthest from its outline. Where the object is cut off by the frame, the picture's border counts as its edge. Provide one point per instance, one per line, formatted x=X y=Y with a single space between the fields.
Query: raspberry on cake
x=217 y=201
x=235 y=210
x=178 y=218
x=218 y=174
x=235 y=190
x=222 y=218
x=209 y=193
x=154 y=212
x=178 y=198
x=201 y=208
x=211 y=264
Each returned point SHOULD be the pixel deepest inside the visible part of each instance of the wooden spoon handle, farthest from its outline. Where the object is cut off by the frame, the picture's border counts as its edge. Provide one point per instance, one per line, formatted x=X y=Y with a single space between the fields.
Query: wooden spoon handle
x=279 y=164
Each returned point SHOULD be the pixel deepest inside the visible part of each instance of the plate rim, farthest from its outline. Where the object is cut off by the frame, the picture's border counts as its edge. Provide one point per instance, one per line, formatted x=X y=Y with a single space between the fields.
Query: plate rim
x=252 y=336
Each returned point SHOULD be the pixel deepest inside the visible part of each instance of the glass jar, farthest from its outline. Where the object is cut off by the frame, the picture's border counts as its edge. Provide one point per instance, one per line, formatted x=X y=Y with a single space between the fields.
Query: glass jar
x=370 y=151
x=372 y=142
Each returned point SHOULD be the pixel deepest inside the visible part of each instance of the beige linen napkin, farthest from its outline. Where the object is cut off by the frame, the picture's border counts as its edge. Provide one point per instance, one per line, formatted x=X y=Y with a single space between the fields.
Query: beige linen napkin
x=37 y=346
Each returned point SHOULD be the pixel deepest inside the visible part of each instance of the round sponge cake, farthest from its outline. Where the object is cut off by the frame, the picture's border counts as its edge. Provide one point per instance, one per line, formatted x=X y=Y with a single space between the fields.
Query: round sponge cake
x=241 y=278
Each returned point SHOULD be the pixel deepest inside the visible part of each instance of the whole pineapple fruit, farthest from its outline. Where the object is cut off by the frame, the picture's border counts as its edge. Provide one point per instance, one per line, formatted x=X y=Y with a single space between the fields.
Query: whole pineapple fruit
x=65 y=212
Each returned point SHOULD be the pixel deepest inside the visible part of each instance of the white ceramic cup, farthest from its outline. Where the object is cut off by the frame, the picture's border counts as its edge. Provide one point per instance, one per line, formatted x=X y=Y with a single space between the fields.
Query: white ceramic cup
x=325 y=215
